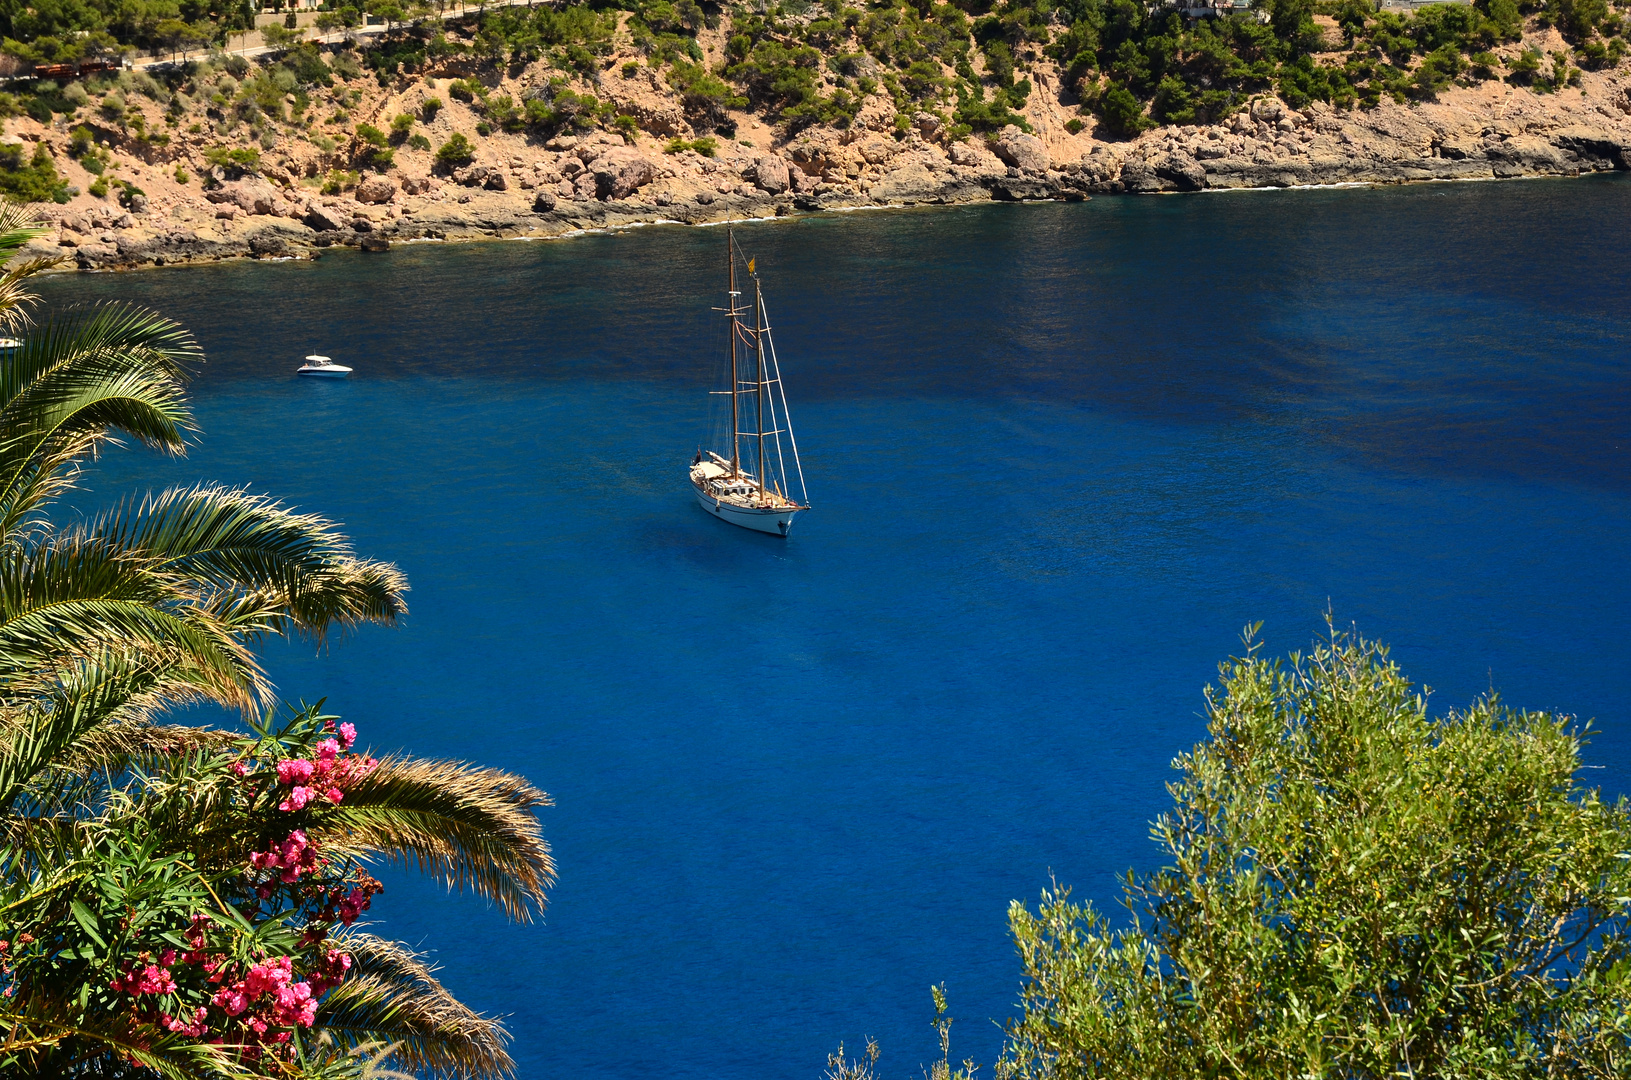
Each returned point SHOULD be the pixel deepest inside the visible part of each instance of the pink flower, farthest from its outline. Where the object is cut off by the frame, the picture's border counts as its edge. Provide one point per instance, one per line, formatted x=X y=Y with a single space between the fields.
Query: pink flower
x=240 y=769
x=231 y=999
x=167 y=958
x=151 y=980
x=294 y=770
x=334 y=795
x=194 y=1029
x=328 y=749
x=348 y=735
x=297 y=800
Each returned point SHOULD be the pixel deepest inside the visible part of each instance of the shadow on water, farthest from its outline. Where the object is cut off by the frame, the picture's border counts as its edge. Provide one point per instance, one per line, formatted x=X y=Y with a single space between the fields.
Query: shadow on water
x=1446 y=328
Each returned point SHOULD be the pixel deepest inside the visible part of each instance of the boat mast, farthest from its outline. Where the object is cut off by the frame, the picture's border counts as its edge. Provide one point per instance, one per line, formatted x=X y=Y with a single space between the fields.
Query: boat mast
x=736 y=427
x=759 y=345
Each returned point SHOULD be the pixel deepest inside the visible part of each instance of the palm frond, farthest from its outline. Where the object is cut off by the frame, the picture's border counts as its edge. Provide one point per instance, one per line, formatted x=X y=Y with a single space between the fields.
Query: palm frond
x=16 y=299
x=142 y=745
x=39 y=1030
x=391 y=994
x=77 y=379
x=85 y=772
x=77 y=595
x=269 y=568
x=19 y=225
x=114 y=687
x=473 y=827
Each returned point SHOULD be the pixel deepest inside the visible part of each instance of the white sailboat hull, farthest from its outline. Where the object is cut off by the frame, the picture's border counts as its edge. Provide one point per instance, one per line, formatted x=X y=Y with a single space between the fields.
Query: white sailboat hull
x=777 y=522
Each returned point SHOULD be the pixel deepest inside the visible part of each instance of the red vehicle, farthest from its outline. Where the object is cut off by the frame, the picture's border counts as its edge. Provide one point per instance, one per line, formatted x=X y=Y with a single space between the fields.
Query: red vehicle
x=69 y=71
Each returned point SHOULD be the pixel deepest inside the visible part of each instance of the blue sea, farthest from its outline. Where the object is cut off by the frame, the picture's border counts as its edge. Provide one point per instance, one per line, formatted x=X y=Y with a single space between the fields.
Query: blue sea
x=1059 y=456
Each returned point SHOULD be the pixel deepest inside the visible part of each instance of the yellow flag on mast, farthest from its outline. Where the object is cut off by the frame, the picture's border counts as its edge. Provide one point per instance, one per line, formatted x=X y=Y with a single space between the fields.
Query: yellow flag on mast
x=750 y=266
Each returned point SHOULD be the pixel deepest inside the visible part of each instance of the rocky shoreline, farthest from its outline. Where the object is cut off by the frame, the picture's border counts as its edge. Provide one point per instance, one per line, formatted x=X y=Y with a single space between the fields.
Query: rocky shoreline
x=602 y=181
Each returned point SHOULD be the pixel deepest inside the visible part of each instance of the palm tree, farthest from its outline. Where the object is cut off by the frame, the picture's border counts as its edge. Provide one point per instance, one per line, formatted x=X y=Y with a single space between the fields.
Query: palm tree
x=107 y=624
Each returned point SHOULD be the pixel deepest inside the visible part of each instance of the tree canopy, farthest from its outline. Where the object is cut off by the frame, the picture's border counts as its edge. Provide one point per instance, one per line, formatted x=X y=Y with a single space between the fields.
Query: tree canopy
x=1352 y=888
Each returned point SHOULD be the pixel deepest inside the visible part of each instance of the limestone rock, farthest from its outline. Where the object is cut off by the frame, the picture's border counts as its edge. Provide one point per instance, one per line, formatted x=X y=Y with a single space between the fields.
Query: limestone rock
x=1024 y=152
x=416 y=185
x=543 y=202
x=620 y=172
x=911 y=182
x=876 y=151
x=376 y=189
x=250 y=196
x=771 y=174
x=93 y=254
x=374 y=242
x=322 y=219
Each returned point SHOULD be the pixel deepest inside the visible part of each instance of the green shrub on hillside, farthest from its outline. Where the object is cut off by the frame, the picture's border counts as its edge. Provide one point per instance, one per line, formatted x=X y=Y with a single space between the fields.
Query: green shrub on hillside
x=235 y=160
x=1353 y=888
x=34 y=180
x=455 y=152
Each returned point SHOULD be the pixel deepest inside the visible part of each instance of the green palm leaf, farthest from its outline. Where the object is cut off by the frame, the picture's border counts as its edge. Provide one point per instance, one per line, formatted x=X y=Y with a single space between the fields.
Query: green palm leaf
x=391 y=995
x=115 y=687
x=76 y=379
x=269 y=568
x=474 y=827
x=76 y=596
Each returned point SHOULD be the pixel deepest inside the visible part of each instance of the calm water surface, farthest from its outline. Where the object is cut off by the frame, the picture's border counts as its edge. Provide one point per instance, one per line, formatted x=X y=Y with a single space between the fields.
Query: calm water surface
x=1059 y=456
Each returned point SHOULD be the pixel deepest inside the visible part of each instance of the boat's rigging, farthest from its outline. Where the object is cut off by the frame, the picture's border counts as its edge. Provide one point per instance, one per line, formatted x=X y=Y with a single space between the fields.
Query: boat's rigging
x=754 y=492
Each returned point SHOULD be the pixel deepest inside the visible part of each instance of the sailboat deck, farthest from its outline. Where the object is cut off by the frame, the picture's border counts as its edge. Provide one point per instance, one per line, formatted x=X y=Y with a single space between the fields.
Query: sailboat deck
x=741 y=490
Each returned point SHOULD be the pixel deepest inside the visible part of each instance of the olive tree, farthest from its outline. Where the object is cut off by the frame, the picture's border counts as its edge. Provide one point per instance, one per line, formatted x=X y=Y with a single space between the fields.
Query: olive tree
x=1353 y=888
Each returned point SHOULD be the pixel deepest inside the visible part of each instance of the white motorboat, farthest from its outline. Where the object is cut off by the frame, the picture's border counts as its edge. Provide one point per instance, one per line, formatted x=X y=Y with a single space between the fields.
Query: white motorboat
x=10 y=344
x=757 y=497
x=323 y=368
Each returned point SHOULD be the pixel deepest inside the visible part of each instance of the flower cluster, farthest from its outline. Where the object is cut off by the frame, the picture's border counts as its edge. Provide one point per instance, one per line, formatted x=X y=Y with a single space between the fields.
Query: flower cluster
x=326 y=774
x=295 y=856
x=346 y=904
x=208 y=989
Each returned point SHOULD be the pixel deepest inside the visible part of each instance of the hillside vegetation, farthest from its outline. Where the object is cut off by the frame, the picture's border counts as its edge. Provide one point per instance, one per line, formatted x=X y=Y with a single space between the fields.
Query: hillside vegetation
x=910 y=100
x=796 y=63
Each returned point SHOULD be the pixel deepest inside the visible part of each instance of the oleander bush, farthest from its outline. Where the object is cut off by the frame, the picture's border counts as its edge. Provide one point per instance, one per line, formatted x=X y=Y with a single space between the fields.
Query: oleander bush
x=178 y=900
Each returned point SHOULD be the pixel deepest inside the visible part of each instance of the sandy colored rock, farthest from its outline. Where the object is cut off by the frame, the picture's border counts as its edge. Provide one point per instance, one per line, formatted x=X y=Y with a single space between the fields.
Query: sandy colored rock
x=1025 y=152
x=770 y=173
x=620 y=172
x=323 y=219
x=376 y=189
x=250 y=196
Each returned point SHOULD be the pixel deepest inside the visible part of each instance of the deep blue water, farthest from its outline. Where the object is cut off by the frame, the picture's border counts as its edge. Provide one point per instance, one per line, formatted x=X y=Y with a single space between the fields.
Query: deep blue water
x=1059 y=456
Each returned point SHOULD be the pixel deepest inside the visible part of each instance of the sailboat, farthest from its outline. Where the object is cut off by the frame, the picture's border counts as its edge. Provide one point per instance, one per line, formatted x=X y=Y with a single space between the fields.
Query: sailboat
x=754 y=493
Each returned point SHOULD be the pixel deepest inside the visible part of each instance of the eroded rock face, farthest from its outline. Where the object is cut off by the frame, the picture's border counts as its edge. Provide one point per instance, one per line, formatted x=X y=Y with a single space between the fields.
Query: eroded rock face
x=250 y=196
x=911 y=182
x=620 y=172
x=376 y=189
x=471 y=175
x=323 y=219
x=543 y=202
x=1024 y=152
x=416 y=185
x=771 y=174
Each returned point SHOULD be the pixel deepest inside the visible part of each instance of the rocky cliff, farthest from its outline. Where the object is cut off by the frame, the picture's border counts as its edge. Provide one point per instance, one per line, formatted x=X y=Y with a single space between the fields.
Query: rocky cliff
x=517 y=184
